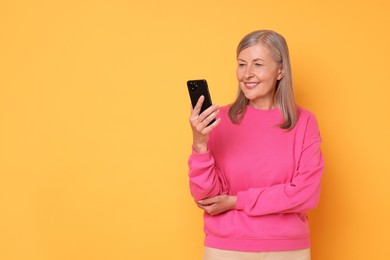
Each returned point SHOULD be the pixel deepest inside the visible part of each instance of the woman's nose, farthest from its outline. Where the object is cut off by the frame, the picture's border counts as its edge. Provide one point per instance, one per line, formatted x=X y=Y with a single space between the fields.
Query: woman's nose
x=249 y=72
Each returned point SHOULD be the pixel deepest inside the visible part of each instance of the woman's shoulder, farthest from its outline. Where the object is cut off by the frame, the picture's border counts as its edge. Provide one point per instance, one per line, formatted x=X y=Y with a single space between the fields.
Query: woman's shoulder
x=304 y=113
x=306 y=118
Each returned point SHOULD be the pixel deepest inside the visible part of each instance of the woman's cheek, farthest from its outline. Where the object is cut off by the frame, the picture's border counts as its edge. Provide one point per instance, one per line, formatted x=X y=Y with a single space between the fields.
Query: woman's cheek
x=239 y=74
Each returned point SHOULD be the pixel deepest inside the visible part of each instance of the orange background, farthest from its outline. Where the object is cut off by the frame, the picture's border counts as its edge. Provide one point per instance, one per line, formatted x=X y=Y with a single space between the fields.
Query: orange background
x=94 y=133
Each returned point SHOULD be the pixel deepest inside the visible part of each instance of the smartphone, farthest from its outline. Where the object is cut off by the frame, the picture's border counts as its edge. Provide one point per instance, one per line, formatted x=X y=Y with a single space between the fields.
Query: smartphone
x=196 y=89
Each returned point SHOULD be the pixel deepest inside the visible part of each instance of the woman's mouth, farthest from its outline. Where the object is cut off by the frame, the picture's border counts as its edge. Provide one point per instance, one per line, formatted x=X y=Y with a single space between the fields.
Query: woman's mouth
x=251 y=85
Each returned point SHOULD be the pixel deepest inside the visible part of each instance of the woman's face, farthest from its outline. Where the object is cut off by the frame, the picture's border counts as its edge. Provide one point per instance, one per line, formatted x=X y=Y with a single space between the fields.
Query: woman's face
x=257 y=74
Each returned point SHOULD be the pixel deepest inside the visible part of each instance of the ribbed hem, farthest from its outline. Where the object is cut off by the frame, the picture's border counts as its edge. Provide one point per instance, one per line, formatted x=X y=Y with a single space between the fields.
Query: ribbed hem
x=257 y=245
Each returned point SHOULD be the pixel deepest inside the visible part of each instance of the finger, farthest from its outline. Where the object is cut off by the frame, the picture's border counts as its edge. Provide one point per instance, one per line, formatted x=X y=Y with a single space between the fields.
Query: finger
x=213 y=116
x=208 y=209
x=198 y=106
x=208 y=201
x=200 y=206
x=208 y=128
x=211 y=109
x=205 y=113
x=209 y=114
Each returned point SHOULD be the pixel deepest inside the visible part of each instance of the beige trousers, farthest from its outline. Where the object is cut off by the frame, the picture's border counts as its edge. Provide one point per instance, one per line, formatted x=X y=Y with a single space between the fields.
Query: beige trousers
x=218 y=254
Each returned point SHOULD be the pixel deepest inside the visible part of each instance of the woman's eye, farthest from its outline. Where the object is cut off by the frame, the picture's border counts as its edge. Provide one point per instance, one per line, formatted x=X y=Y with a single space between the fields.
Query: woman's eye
x=258 y=64
x=241 y=64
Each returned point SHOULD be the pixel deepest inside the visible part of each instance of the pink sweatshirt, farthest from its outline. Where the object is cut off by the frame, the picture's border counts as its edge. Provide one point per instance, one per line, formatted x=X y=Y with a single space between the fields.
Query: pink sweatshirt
x=274 y=173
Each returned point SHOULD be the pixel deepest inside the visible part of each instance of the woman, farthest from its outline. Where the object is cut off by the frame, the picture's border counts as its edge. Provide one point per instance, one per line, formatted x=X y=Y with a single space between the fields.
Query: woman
x=257 y=169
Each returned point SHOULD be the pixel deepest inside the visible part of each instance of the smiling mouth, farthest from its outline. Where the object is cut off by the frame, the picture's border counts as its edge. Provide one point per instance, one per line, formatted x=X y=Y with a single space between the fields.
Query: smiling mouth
x=251 y=85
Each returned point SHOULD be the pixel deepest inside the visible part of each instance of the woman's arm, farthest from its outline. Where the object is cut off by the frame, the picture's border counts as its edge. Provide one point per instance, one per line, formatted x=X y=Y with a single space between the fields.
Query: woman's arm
x=301 y=193
x=205 y=178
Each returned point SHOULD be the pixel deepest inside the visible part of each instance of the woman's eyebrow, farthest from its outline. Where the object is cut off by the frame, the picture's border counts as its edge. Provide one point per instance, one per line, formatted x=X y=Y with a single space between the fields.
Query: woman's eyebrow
x=258 y=59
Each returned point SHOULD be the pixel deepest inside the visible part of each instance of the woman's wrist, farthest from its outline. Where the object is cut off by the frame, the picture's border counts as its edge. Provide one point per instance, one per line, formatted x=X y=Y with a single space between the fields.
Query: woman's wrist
x=199 y=148
x=233 y=201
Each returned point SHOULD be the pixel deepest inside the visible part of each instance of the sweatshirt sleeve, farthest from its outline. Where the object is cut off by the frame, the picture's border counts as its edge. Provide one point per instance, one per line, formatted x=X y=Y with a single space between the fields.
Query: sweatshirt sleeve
x=205 y=178
x=301 y=193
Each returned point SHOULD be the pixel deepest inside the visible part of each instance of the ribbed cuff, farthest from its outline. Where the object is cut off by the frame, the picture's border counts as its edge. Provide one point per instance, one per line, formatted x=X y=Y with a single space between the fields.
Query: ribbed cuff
x=201 y=156
x=242 y=198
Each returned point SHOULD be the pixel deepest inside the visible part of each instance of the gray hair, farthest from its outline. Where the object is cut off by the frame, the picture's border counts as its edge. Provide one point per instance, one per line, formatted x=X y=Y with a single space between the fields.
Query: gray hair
x=284 y=95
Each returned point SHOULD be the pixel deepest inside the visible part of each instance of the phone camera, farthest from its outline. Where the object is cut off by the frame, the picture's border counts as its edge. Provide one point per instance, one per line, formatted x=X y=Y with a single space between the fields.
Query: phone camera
x=193 y=86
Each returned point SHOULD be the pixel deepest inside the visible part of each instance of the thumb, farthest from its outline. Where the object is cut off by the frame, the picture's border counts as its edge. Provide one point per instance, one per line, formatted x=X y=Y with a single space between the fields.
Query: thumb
x=208 y=201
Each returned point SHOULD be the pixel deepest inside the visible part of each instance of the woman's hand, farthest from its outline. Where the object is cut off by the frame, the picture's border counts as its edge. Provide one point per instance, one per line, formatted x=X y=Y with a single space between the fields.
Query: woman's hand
x=218 y=204
x=199 y=122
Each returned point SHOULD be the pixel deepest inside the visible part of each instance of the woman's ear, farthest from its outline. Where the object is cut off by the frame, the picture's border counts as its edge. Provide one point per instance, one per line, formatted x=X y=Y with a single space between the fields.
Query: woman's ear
x=280 y=74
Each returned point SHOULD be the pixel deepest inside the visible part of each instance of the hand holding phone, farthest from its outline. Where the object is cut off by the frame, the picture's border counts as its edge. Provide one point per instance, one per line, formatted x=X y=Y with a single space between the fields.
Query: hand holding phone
x=196 y=89
x=203 y=116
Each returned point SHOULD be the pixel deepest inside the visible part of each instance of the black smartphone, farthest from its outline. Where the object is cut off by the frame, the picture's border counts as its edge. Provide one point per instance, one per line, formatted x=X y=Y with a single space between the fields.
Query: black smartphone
x=196 y=89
